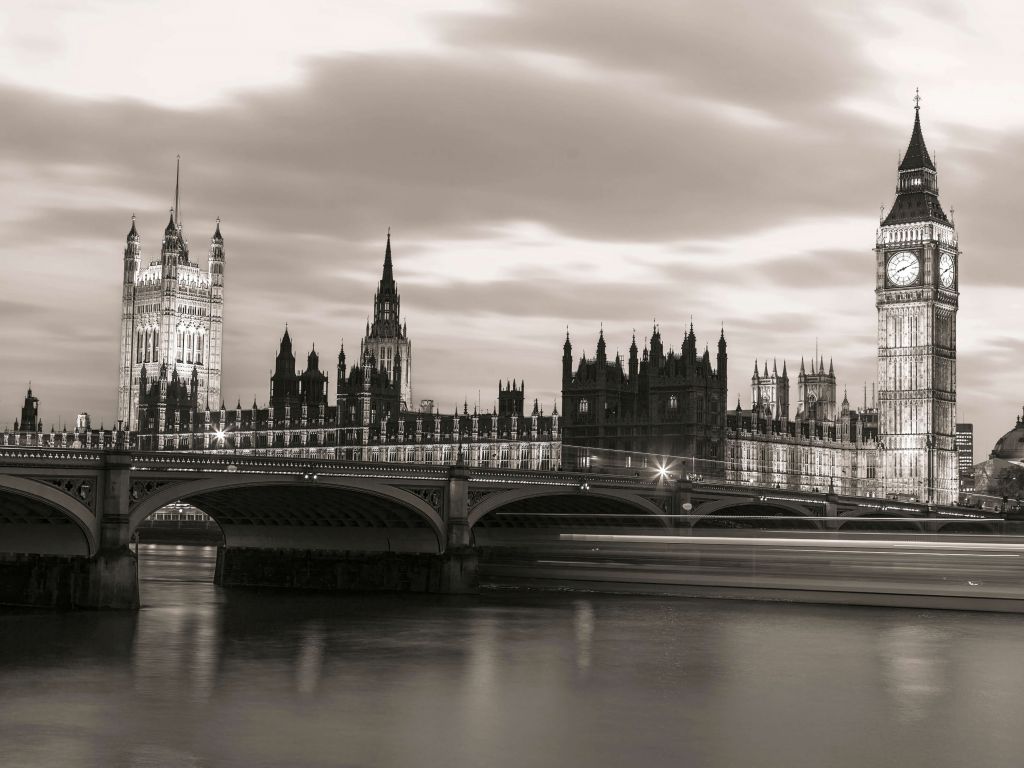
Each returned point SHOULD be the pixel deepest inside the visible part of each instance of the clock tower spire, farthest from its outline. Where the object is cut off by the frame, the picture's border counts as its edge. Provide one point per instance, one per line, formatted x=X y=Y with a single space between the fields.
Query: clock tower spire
x=916 y=296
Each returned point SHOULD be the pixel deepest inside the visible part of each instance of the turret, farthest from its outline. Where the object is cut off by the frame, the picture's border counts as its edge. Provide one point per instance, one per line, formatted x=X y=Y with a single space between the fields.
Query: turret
x=634 y=360
x=132 y=255
x=656 y=348
x=30 y=420
x=602 y=356
x=217 y=257
x=566 y=360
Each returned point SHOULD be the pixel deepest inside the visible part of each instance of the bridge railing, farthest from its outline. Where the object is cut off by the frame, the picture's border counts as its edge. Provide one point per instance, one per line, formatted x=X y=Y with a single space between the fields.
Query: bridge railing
x=34 y=456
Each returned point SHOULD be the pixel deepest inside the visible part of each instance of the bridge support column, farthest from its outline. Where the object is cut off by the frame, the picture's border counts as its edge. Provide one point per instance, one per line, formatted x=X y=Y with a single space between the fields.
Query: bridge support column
x=460 y=566
x=111 y=578
x=831 y=512
x=107 y=578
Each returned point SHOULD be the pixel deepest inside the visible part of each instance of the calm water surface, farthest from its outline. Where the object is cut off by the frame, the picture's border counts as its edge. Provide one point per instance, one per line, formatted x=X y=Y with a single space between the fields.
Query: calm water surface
x=203 y=677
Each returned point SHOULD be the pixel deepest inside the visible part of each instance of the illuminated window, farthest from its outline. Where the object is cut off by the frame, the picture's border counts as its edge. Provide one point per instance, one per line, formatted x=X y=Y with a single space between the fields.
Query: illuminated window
x=584 y=405
x=673 y=402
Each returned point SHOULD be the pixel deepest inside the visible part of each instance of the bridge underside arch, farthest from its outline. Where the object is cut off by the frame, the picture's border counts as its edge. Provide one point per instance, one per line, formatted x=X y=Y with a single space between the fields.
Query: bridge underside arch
x=525 y=512
x=38 y=521
x=755 y=514
x=315 y=517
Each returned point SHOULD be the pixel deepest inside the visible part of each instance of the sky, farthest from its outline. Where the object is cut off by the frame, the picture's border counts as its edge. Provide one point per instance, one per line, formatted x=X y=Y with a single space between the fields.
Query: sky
x=541 y=165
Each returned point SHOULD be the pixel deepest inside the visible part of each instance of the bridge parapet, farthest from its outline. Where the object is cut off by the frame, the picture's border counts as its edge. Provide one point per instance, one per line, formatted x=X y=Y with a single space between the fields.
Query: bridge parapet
x=49 y=457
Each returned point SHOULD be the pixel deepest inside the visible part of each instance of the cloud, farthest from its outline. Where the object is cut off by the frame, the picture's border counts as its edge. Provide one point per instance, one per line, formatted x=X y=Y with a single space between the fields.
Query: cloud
x=540 y=164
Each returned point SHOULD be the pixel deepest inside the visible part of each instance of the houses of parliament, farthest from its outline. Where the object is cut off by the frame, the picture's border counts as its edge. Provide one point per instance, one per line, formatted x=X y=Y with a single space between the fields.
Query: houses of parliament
x=654 y=408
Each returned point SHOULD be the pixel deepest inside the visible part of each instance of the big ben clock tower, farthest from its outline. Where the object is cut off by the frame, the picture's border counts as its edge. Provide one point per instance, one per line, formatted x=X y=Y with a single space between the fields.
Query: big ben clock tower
x=916 y=294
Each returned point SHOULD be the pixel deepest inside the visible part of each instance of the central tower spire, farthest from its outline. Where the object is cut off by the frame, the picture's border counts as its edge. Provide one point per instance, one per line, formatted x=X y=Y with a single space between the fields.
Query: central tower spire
x=386 y=339
x=917 y=188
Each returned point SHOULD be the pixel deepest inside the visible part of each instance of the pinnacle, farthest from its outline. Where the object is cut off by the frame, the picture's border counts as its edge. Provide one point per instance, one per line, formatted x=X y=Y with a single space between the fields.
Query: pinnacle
x=917 y=155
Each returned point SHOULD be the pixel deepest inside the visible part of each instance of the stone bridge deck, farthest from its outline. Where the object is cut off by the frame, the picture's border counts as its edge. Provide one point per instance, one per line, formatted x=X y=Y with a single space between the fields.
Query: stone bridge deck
x=280 y=516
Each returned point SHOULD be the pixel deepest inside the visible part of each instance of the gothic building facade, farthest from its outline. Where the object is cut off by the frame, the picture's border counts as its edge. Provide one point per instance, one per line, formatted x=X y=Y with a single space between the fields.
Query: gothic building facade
x=917 y=295
x=370 y=419
x=905 y=447
x=172 y=314
x=28 y=431
x=823 y=447
x=656 y=406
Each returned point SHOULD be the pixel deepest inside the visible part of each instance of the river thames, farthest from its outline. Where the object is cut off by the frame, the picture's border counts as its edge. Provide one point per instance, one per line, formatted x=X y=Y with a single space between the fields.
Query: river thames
x=206 y=677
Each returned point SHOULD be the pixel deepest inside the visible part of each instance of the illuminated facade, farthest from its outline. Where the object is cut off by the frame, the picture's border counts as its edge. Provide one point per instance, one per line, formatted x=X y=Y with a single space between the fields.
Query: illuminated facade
x=369 y=421
x=386 y=340
x=172 y=314
x=965 y=456
x=823 y=448
x=917 y=296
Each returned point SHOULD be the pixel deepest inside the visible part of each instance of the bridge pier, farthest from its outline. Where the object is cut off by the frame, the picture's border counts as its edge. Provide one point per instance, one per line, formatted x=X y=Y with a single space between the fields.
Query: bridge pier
x=105 y=578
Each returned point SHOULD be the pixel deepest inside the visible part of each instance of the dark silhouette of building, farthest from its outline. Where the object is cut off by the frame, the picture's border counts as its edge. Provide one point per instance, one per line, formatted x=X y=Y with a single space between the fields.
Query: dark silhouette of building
x=656 y=407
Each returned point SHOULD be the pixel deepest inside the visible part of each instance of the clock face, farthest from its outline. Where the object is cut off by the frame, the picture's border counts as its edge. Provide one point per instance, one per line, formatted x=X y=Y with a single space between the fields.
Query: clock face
x=903 y=268
x=947 y=270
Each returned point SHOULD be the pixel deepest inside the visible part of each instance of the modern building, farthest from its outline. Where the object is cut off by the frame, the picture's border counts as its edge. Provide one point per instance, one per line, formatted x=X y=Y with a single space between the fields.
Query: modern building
x=965 y=456
x=656 y=404
x=917 y=295
x=172 y=313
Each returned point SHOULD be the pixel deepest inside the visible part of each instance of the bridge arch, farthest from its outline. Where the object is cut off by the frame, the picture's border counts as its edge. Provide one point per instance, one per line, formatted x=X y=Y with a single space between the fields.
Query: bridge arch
x=523 y=499
x=289 y=512
x=29 y=499
x=800 y=516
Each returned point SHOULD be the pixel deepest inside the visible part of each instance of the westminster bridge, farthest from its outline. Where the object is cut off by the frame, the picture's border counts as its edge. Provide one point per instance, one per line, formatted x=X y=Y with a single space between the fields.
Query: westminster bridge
x=68 y=517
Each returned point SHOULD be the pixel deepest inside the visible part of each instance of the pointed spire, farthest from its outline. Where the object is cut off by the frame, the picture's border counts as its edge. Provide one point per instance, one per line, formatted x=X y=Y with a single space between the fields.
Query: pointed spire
x=784 y=374
x=177 y=181
x=170 y=229
x=917 y=155
x=388 y=275
x=766 y=368
x=755 y=368
x=802 y=371
x=217 y=237
x=775 y=367
x=133 y=233
x=831 y=370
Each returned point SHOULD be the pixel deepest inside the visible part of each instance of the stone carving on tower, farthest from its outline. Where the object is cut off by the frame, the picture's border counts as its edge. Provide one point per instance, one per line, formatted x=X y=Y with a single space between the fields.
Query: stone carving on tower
x=770 y=393
x=816 y=391
x=386 y=341
x=171 y=318
x=916 y=296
